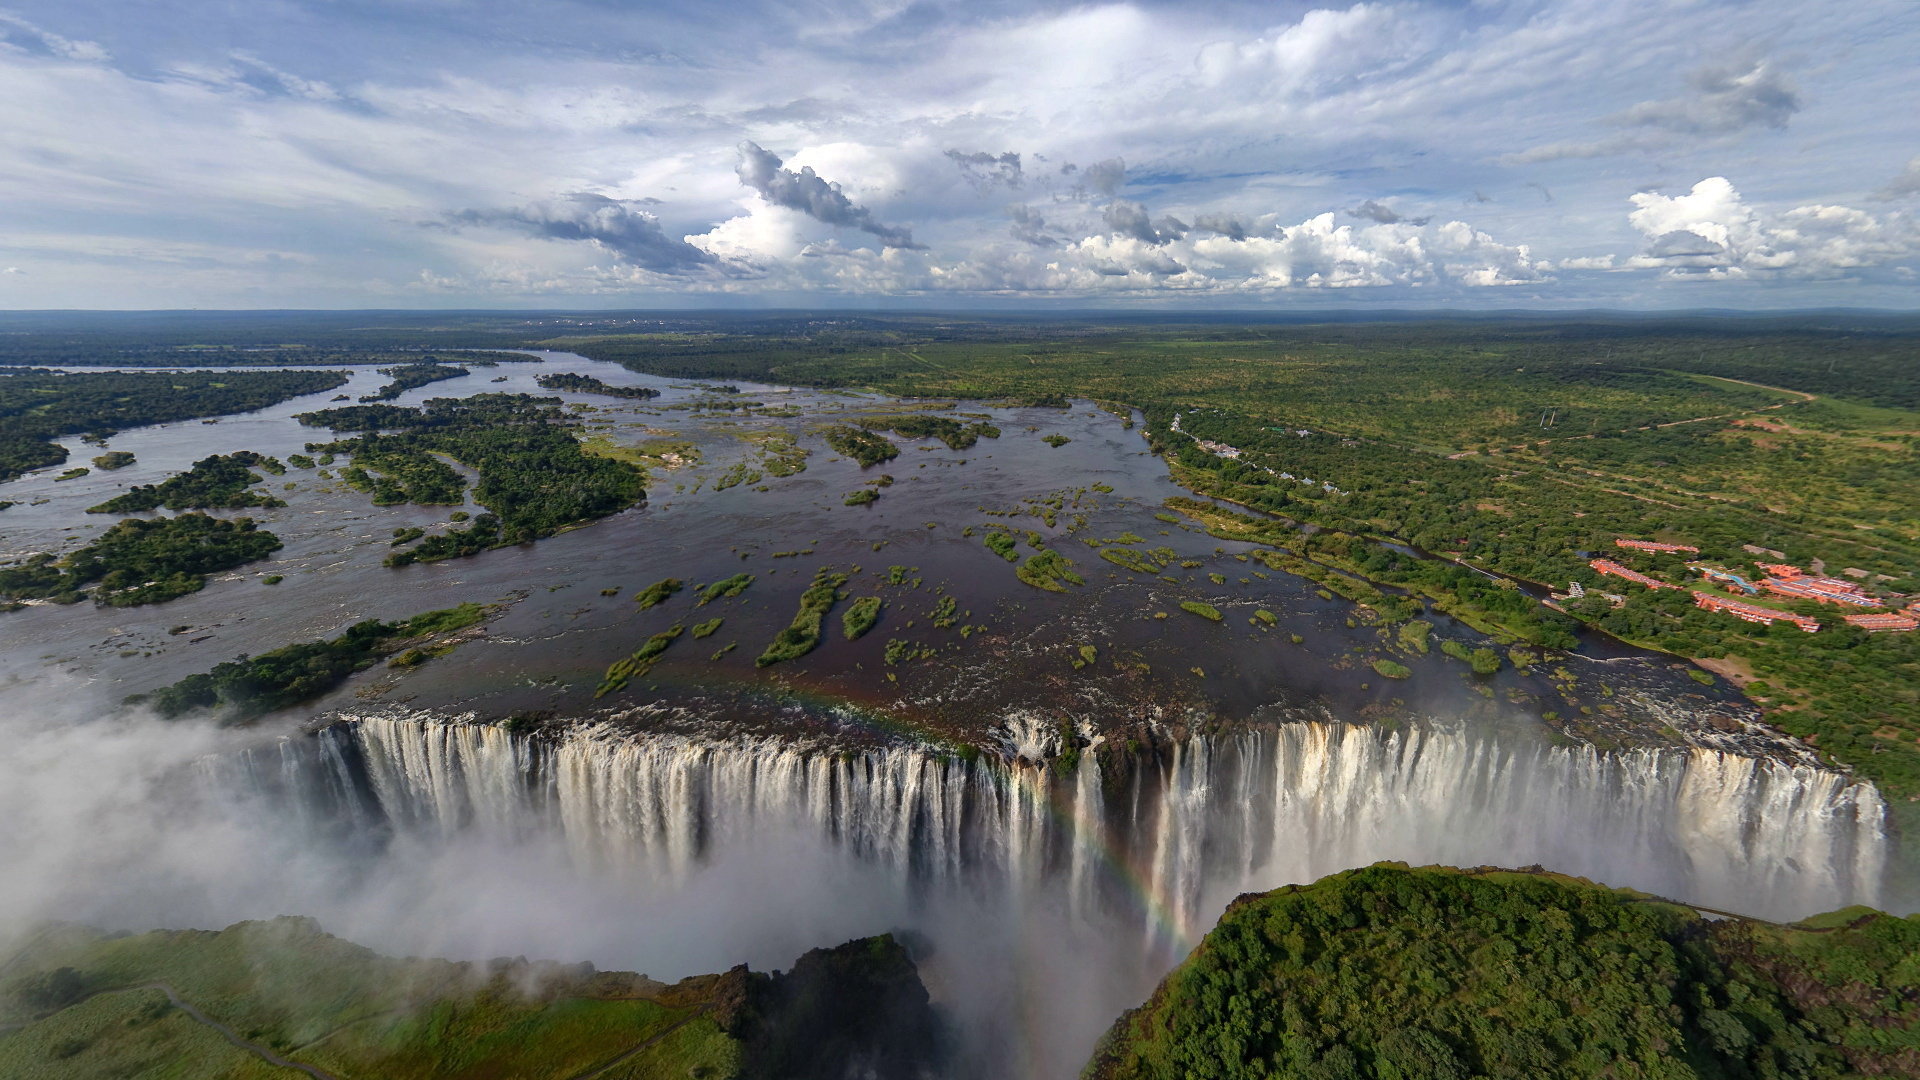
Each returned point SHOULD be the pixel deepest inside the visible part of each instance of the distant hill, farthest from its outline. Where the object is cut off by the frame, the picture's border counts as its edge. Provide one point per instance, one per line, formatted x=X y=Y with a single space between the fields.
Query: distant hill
x=1443 y=974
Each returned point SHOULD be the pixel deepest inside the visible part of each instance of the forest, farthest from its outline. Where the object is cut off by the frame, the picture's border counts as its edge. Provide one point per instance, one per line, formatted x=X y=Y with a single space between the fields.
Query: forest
x=216 y=482
x=37 y=407
x=534 y=479
x=587 y=384
x=1442 y=974
x=140 y=561
x=412 y=376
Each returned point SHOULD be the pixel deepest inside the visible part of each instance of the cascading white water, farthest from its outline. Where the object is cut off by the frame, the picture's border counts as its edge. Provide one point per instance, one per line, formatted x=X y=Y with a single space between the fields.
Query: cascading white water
x=1223 y=813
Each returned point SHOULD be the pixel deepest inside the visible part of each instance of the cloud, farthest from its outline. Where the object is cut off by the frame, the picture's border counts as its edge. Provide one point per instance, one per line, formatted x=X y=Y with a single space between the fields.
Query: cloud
x=1106 y=177
x=820 y=199
x=1383 y=214
x=1721 y=99
x=1724 y=98
x=1127 y=218
x=614 y=225
x=1029 y=227
x=1230 y=225
x=984 y=170
x=20 y=33
x=1904 y=185
x=12 y=270
x=1711 y=231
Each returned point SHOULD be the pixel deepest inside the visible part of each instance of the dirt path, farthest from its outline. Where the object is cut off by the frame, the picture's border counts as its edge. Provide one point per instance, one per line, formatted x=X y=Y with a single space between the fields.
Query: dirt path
x=627 y=1054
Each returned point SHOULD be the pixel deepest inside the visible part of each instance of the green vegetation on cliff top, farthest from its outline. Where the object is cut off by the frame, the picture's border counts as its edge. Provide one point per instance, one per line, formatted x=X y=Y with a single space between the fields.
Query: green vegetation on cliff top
x=82 y=1005
x=1441 y=974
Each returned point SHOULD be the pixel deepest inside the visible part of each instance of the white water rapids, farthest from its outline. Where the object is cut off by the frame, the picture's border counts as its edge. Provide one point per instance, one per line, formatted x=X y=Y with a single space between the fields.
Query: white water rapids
x=1172 y=841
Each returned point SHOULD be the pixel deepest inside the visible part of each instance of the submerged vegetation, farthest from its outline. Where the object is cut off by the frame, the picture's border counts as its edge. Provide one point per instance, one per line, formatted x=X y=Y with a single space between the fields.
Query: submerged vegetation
x=140 y=561
x=241 y=690
x=641 y=660
x=658 y=593
x=860 y=616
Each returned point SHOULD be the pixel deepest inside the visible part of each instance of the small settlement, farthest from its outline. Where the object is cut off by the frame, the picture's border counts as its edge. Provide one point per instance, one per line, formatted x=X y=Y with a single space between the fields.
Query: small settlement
x=1776 y=580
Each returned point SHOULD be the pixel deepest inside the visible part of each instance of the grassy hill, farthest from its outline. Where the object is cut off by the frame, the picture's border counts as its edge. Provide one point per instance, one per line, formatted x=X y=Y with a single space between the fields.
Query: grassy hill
x=1444 y=974
x=283 y=999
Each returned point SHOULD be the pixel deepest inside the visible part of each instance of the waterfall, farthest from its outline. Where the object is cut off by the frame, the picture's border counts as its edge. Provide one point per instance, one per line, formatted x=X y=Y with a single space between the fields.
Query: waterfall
x=1170 y=840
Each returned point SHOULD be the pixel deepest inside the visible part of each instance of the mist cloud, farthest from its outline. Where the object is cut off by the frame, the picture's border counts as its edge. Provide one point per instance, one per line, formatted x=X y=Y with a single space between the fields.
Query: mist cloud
x=615 y=225
x=818 y=198
x=984 y=170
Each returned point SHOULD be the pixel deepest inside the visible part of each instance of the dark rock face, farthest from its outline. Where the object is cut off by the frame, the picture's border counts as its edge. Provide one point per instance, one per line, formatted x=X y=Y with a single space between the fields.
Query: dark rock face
x=851 y=1012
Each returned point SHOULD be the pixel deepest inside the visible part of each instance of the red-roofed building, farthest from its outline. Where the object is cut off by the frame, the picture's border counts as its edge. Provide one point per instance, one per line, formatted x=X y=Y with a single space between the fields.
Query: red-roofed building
x=1752 y=613
x=1781 y=570
x=1822 y=590
x=1878 y=621
x=1614 y=569
x=1654 y=545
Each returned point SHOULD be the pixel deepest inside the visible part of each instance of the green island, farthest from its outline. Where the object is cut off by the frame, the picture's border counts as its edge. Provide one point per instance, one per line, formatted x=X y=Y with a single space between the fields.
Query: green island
x=139 y=561
x=1462 y=460
x=217 y=482
x=264 y=999
x=803 y=633
x=954 y=434
x=726 y=588
x=113 y=459
x=861 y=445
x=413 y=376
x=535 y=479
x=246 y=689
x=1436 y=973
x=37 y=407
x=861 y=616
x=636 y=664
x=587 y=384
x=657 y=593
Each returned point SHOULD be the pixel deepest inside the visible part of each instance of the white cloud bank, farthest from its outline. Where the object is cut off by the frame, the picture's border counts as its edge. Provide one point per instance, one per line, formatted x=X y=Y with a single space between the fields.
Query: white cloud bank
x=1712 y=231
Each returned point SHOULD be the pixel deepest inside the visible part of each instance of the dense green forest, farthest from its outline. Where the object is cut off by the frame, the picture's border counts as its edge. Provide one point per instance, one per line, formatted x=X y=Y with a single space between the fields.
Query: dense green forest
x=82 y=1004
x=1440 y=457
x=412 y=376
x=37 y=407
x=252 y=686
x=587 y=384
x=140 y=561
x=217 y=482
x=534 y=477
x=1440 y=974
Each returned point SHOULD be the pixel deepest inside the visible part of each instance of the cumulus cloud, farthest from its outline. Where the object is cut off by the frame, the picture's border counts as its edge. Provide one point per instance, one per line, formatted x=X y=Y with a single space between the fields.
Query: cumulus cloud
x=1130 y=219
x=21 y=34
x=1230 y=225
x=984 y=170
x=818 y=198
x=1375 y=211
x=614 y=225
x=1711 y=231
x=1029 y=226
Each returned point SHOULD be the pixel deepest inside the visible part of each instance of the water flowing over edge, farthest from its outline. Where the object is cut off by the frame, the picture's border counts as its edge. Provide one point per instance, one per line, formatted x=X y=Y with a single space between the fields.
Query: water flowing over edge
x=1163 y=839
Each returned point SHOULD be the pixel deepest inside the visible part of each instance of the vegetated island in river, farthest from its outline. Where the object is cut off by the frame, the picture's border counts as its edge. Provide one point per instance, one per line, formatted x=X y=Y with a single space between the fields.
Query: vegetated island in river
x=37 y=407
x=587 y=384
x=139 y=562
x=535 y=477
x=1442 y=974
x=227 y=1004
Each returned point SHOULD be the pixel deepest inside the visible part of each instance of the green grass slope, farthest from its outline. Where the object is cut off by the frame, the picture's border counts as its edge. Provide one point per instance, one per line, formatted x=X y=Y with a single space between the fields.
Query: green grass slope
x=1444 y=974
x=283 y=999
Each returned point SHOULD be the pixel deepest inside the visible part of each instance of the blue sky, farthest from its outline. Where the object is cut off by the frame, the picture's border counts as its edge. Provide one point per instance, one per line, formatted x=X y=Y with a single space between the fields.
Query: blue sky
x=434 y=153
